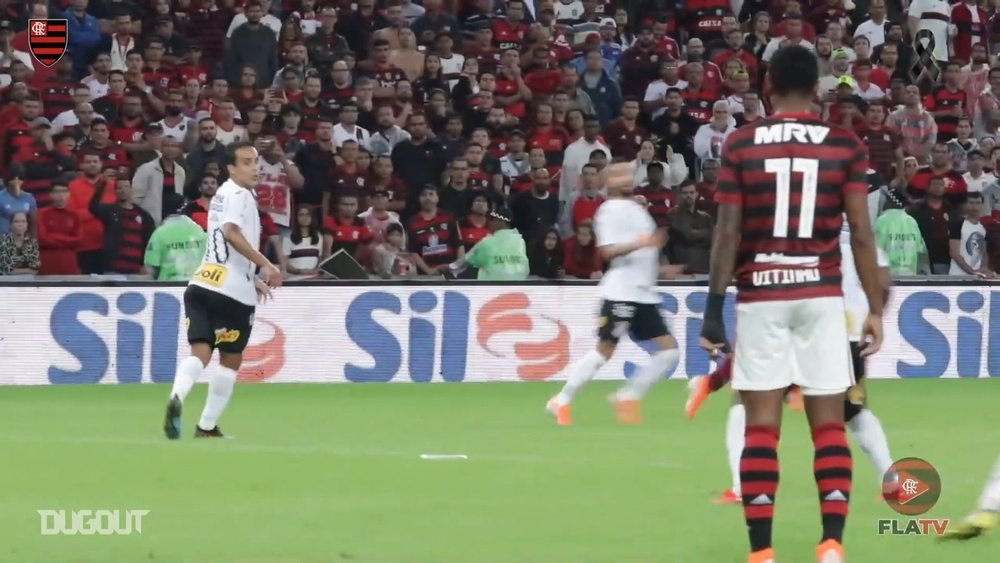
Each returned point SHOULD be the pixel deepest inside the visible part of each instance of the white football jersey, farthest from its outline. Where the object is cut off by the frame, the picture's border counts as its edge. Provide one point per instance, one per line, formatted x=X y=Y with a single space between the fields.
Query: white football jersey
x=273 y=194
x=631 y=277
x=855 y=301
x=223 y=269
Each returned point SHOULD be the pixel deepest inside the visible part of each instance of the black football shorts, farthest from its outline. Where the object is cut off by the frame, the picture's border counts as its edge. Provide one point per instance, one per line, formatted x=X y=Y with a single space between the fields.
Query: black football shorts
x=217 y=320
x=641 y=321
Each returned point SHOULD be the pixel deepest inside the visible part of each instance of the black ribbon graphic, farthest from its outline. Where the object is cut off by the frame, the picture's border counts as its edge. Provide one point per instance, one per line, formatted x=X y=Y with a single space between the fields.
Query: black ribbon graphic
x=924 y=45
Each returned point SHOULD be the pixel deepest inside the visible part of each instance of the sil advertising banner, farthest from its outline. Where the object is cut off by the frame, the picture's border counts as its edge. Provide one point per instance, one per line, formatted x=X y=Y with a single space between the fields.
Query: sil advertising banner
x=439 y=333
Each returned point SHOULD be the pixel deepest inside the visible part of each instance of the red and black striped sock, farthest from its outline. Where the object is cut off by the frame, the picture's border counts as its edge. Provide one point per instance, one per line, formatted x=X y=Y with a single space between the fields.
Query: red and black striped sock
x=759 y=482
x=721 y=376
x=832 y=467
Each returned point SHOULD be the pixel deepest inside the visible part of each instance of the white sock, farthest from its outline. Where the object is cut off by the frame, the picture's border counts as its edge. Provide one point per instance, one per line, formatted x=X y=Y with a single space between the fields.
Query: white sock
x=736 y=426
x=990 y=499
x=867 y=431
x=582 y=372
x=659 y=365
x=188 y=372
x=220 y=389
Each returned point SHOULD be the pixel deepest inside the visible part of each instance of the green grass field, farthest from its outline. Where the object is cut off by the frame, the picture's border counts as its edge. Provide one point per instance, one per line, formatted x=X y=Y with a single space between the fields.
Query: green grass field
x=324 y=473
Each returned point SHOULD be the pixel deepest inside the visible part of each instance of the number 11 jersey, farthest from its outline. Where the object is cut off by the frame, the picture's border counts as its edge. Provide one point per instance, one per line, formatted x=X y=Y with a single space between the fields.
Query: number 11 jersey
x=789 y=173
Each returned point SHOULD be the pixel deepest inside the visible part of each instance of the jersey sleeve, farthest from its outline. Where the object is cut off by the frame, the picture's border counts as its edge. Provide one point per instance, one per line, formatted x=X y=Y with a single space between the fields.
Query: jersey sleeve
x=478 y=255
x=857 y=176
x=233 y=206
x=152 y=257
x=730 y=188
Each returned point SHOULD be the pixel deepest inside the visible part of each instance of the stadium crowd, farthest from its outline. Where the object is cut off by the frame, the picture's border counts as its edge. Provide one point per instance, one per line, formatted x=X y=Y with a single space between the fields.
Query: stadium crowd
x=390 y=129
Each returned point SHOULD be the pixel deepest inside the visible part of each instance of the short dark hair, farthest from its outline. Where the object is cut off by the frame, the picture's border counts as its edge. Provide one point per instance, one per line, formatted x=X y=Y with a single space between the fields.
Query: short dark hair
x=233 y=149
x=975 y=195
x=794 y=71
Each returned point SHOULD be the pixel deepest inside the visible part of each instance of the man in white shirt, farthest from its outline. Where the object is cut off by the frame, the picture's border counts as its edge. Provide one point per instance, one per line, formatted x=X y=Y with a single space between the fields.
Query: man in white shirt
x=839 y=61
x=348 y=129
x=83 y=112
x=576 y=155
x=268 y=20
x=221 y=297
x=655 y=100
x=977 y=178
x=793 y=36
x=967 y=241
x=874 y=28
x=630 y=243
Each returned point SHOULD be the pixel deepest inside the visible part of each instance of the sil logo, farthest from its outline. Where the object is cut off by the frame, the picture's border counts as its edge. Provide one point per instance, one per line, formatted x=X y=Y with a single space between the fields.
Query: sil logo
x=509 y=314
x=911 y=486
x=264 y=356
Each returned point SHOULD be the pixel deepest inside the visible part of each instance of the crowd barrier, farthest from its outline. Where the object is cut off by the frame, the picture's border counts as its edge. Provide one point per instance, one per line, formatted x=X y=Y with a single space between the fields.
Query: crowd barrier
x=331 y=332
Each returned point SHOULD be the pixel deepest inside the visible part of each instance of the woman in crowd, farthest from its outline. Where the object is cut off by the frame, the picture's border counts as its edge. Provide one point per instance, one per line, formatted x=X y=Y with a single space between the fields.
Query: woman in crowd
x=303 y=246
x=18 y=251
x=546 y=257
x=581 y=258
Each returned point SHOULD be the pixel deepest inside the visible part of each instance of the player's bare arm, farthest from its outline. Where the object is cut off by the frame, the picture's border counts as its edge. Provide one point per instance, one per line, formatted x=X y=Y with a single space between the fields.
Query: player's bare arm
x=866 y=262
x=234 y=237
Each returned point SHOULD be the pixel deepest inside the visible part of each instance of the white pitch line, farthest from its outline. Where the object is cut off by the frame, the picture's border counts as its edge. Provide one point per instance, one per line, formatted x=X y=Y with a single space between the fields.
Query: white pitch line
x=317 y=450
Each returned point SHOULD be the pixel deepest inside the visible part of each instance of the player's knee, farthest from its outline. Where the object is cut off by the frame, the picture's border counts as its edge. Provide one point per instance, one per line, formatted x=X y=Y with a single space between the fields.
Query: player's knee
x=606 y=348
x=202 y=351
x=231 y=361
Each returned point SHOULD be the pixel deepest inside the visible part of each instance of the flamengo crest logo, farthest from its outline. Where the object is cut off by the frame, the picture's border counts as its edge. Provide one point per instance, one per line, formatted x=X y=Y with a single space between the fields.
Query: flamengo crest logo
x=47 y=40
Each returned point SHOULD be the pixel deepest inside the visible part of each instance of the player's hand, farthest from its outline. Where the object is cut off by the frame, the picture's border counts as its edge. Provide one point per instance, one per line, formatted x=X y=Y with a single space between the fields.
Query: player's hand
x=871 y=335
x=713 y=337
x=272 y=276
x=263 y=290
x=641 y=200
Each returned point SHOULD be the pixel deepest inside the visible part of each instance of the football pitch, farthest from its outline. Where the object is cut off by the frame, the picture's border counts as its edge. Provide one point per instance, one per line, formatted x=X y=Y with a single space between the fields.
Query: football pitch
x=331 y=473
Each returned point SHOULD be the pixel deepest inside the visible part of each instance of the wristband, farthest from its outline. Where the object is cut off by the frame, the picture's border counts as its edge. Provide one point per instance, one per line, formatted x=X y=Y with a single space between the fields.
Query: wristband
x=713 y=309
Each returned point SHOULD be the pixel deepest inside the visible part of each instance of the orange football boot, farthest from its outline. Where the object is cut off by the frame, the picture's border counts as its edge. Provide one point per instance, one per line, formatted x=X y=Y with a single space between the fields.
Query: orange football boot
x=629 y=410
x=728 y=496
x=795 y=401
x=830 y=551
x=698 y=391
x=560 y=411
x=762 y=556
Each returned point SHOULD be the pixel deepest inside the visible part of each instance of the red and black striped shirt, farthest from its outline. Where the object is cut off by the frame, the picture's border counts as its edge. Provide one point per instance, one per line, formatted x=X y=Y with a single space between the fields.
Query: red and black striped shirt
x=942 y=99
x=659 y=202
x=18 y=143
x=790 y=174
x=469 y=234
x=113 y=155
x=57 y=96
x=435 y=239
x=347 y=235
x=131 y=237
x=311 y=115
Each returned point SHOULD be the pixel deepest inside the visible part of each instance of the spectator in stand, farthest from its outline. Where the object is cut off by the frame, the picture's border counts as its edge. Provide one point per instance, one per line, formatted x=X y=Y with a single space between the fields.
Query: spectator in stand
x=197 y=209
x=962 y=145
x=302 y=248
x=898 y=235
x=18 y=250
x=545 y=258
x=967 y=29
x=432 y=234
x=253 y=44
x=176 y=247
x=604 y=92
x=975 y=79
x=977 y=179
x=915 y=125
x=393 y=260
x=933 y=216
x=157 y=180
x=690 y=231
x=344 y=230
x=378 y=217
x=659 y=198
x=710 y=137
x=585 y=206
x=968 y=242
x=581 y=256
x=940 y=167
x=884 y=145
x=127 y=228
x=707 y=188
x=59 y=234
x=639 y=64
x=81 y=192
x=928 y=23
x=577 y=154
x=790 y=34
x=874 y=27
x=948 y=102
x=537 y=209
x=13 y=199
x=474 y=225
x=625 y=134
